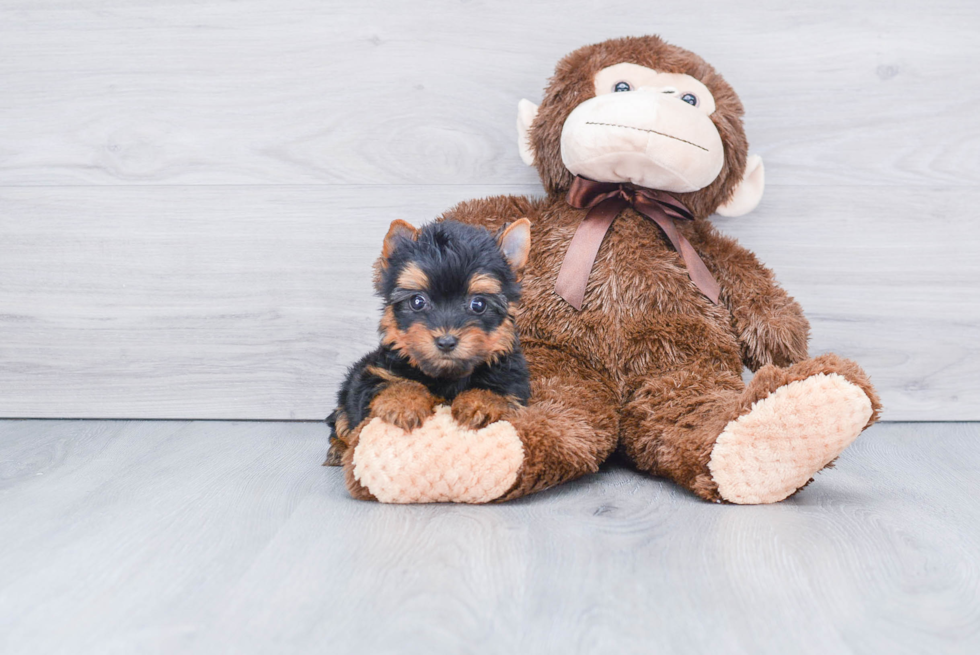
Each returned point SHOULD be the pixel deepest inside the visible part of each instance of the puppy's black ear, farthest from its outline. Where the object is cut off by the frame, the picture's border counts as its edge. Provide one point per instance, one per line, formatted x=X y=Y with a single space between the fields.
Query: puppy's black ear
x=515 y=243
x=398 y=230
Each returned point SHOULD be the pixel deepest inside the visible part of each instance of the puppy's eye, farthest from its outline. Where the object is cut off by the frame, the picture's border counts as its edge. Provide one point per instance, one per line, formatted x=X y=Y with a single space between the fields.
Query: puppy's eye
x=417 y=302
x=622 y=86
x=690 y=99
x=478 y=305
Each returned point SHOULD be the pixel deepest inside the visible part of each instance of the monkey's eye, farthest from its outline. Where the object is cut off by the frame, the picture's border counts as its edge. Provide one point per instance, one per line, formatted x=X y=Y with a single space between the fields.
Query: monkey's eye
x=622 y=86
x=417 y=302
x=478 y=305
x=690 y=99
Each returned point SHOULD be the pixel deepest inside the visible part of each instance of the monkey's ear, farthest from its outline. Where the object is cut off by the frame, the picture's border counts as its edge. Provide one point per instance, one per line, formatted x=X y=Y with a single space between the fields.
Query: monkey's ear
x=399 y=229
x=515 y=243
x=526 y=111
x=749 y=191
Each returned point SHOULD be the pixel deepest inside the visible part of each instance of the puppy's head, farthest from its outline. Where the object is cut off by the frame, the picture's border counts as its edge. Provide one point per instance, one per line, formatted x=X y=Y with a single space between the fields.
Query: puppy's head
x=450 y=291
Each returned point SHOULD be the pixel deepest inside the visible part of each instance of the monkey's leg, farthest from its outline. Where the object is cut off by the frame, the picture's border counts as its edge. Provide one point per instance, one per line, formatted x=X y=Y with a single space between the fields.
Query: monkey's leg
x=569 y=427
x=755 y=444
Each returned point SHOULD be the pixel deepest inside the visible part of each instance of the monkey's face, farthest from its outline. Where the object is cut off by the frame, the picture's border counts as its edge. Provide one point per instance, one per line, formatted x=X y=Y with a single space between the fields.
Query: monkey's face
x=639 y=110
x=647 y=128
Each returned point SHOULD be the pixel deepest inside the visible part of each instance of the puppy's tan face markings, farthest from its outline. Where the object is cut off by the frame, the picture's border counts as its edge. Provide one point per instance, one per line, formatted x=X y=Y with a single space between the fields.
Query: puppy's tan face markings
x=477 y=345
x=417 y=343
x=413 y=278
x=481 y=283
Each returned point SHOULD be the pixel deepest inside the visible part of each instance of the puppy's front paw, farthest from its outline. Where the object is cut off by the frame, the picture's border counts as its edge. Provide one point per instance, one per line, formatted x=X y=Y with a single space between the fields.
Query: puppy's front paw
x=405 y=405
x=477 y=408
x=335 y=454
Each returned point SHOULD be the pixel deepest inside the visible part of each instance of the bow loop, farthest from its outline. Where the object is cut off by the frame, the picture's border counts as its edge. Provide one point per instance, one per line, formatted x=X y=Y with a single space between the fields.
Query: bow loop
x=605 y=201
x=586 y=194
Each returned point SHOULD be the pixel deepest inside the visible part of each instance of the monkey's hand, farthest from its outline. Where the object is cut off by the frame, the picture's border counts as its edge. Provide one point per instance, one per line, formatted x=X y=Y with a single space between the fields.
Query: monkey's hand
x=404 y=404
x=772 y=330
x=475 y=408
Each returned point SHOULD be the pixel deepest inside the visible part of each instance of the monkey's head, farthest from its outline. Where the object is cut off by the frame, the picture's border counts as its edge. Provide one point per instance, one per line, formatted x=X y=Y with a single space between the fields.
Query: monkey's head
x=644 y=112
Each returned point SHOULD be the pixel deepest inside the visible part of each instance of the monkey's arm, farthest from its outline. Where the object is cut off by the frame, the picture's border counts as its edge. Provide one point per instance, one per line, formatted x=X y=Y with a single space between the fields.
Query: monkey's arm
x=770 y=325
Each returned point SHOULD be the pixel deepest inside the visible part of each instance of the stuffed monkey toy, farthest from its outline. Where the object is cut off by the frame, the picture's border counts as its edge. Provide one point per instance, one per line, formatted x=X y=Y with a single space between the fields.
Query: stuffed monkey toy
x=637 y=314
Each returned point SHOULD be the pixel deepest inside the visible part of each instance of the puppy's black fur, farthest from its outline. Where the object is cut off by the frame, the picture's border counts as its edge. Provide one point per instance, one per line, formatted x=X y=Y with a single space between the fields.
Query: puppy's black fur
x=449 y=293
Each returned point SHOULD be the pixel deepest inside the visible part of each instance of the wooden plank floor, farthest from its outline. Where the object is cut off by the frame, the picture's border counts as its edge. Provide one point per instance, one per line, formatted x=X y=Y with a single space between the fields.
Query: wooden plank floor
x=206 y=537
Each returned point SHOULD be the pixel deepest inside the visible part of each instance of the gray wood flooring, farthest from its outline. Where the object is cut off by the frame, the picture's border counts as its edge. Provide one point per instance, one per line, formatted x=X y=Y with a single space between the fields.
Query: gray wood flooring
x=208 y=537
x=191 y=192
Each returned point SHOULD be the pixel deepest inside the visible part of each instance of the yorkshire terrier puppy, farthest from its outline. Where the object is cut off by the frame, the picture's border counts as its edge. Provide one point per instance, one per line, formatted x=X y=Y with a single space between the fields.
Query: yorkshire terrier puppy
x=447 y=331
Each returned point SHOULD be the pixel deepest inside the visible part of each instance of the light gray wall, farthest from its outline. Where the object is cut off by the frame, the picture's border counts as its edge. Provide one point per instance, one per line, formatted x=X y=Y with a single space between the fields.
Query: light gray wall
x=191 y=193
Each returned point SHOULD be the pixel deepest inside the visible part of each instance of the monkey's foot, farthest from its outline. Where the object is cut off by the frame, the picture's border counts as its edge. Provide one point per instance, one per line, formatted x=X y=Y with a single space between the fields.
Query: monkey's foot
x=772 y=451
x=437 y=462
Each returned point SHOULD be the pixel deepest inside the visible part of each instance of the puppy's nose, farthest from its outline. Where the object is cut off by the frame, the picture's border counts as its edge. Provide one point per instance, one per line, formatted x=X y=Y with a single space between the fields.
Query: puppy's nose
x=446 y=342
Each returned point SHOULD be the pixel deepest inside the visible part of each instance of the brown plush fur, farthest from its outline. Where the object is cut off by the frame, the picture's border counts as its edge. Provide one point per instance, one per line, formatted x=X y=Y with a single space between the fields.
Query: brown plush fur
x=649 y=365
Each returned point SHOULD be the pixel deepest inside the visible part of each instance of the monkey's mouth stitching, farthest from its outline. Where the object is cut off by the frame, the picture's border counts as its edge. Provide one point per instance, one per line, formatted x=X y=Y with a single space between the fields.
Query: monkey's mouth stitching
x=640 y=129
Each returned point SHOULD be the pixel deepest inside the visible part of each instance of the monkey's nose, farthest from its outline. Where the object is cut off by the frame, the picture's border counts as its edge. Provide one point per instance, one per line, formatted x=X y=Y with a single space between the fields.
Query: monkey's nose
x=446 y=343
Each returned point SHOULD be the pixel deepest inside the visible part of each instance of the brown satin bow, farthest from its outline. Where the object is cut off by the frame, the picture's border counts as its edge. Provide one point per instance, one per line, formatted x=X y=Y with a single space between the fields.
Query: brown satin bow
x=605 y=200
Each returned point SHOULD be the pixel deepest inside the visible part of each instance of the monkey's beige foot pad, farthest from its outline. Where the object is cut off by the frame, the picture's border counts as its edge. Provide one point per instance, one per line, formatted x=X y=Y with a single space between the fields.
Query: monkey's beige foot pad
x=439 y=462
x=767 y=454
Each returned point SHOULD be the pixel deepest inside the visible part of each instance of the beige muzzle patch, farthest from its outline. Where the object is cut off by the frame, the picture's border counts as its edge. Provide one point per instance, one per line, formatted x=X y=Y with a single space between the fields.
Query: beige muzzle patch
x=767 y=454
x=642 y=138
x=439 y=462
